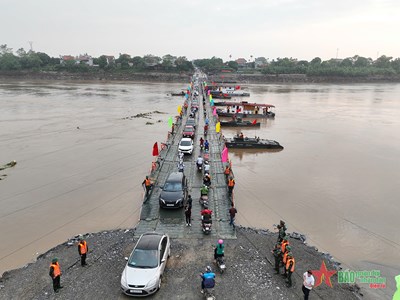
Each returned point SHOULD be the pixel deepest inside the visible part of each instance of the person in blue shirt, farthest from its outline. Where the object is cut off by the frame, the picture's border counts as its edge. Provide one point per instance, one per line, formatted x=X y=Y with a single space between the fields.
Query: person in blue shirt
x=208 y=279
x=206 y=145
x=207 y=121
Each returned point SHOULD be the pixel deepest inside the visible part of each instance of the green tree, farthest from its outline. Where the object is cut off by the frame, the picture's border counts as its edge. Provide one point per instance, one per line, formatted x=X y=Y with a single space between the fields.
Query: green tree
x=44 y=58
x=316 y=61
x=233 y=65
x=347 y=62
x=9 y=62
x=4 y=49
x=383 y=61
x=138 y=63
x=361 y=62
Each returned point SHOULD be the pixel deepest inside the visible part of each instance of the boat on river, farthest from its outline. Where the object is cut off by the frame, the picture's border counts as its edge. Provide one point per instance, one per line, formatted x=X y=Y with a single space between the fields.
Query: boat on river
x=244 y=109
x=178 y=94
x=239 y=123
x=251 y=143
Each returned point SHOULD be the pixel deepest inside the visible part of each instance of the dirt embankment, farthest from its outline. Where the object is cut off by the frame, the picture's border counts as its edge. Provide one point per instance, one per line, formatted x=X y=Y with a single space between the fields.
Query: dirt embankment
x=249 y=274
x=106 y=76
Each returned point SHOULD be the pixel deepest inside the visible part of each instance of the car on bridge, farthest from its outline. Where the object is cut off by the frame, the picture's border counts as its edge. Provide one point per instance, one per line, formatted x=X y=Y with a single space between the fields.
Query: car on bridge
x=188 y=131
x=146 y=264
x=186 y=146
x=174 y=192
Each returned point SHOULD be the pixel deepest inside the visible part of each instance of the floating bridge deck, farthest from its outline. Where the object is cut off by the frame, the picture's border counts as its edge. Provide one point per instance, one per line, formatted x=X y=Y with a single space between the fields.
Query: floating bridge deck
x=172 y=222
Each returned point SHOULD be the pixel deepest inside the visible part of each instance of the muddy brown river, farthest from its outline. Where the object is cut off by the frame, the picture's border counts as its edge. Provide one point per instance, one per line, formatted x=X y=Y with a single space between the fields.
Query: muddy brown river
x=80 y=165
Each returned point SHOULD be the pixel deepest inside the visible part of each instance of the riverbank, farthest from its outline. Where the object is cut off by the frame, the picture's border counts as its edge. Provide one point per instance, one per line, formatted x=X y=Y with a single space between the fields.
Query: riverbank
x=249 y=274
x=229 y=78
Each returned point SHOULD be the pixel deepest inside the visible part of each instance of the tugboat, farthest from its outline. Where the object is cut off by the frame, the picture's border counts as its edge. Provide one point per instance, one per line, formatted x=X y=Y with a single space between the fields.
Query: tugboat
x=239 y=141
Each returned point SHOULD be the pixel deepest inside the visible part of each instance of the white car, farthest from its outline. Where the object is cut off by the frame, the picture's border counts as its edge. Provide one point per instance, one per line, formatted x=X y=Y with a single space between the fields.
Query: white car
x=146 y=264
x=186 y=145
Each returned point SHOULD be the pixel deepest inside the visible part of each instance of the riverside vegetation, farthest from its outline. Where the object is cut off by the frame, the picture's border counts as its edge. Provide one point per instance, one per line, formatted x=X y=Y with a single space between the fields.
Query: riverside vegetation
x=356 y=66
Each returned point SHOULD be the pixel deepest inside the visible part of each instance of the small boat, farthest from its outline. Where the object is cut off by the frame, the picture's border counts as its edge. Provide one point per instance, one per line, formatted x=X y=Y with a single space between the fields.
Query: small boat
x=178 y=94
x=220 y=95
x=251 y=143
x=239 y=123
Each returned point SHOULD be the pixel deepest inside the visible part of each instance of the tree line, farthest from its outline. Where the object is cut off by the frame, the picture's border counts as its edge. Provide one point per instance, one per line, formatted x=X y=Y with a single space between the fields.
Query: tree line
x=356 y=66
x=39 y=61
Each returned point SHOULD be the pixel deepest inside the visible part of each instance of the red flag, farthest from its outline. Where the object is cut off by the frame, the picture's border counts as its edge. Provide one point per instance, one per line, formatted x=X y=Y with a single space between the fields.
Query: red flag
x=237 y=87
x=254 y=122
x=155 y=149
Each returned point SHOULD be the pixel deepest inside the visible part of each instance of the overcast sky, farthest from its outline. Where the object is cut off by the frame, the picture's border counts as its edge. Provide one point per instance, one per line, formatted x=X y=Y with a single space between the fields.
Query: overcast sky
x=301 y=29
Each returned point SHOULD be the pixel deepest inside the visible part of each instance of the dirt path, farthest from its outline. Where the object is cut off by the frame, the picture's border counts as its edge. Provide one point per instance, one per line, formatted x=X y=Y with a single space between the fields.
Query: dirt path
x=249 y=273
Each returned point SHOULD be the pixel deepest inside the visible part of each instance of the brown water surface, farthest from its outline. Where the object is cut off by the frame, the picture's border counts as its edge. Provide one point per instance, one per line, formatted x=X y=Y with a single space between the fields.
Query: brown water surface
x=337 y=180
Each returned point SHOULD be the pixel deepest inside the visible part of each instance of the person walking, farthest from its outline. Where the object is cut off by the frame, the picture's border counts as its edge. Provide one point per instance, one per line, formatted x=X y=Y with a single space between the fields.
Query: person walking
x=282 y=230
x=188 y=215
x=277 y=256
x=308 y=283
x=189 y=201
x=147 y=184
x=231 y=185
x=232 y=214
x=83 y=250
x=289 y=269
x=55 y=274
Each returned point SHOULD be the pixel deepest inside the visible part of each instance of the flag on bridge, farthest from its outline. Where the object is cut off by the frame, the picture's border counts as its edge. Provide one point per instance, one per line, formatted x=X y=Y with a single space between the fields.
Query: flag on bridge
x=155 y=149
x=218 y=127
x=170 y=121
x=224 y=155
x=254 y=122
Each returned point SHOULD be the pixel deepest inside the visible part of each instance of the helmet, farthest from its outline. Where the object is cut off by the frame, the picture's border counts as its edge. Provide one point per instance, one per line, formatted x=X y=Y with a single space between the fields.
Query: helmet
x=208 y=269
x=288 y=248
x=290 y=254
x=220 y=242
x=190 y=196
x=147 y=177
x=54 y=260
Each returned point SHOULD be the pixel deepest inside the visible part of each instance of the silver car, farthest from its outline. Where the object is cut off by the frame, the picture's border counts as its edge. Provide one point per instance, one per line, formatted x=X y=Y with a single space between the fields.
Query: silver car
x=146 y=264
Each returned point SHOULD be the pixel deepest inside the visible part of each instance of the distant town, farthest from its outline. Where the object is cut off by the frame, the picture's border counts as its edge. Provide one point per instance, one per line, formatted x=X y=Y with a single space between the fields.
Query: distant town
x=356 y=66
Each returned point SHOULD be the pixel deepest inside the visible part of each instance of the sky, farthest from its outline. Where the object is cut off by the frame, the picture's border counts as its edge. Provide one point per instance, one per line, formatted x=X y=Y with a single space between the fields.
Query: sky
x=301 y=29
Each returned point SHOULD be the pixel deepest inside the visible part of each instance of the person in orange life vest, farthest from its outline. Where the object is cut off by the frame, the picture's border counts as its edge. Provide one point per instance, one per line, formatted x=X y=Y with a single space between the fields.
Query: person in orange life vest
x=147 y=184
x=231 y=185
x=227 y=172
x=289 y=268
x=55 y=274
x=83 y=250
x=285 y=254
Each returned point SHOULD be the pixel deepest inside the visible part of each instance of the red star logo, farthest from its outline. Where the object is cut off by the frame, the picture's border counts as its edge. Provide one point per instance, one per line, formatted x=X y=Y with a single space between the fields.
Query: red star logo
x=322 y=274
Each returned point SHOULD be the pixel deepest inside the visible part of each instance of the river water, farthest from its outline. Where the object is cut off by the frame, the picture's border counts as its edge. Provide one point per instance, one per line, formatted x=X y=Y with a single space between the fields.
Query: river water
x=81 y=164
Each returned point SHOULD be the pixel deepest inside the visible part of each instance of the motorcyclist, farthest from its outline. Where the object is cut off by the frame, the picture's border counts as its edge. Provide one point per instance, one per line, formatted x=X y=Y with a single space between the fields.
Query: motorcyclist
x=201 y=143
x=208 y=279
x=199 y=161
x=219 y=250
x=204 y=190
x=206 y=145
x=207 y=179
x=206 y=216
x=181 y=166
x=206 y=167
x=207 y=121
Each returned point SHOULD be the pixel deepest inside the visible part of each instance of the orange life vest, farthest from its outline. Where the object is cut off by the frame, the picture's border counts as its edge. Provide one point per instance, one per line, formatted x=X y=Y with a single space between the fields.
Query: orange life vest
x=227 y=171
x=285 y=257
x=283 y=246
x=56 y=269
x=82 y=247
x=231 y=183
x=147 y=182
x=288 y=262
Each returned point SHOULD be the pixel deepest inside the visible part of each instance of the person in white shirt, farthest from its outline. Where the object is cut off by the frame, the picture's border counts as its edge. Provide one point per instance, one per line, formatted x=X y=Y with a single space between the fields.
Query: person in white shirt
x=308 y=283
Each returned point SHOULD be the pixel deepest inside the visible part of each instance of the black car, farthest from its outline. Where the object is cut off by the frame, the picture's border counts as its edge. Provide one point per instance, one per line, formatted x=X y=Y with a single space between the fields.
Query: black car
x=174 y=192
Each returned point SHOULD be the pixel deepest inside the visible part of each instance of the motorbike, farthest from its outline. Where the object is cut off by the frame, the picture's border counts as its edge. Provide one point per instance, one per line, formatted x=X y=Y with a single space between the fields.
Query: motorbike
x=206 y=182
x=209 y=294
x=203 y=200
x=199 y=167
x=221 y=264
x=206 y=227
